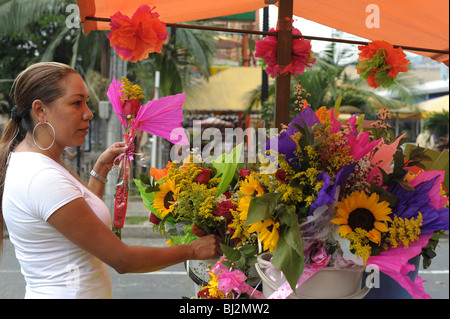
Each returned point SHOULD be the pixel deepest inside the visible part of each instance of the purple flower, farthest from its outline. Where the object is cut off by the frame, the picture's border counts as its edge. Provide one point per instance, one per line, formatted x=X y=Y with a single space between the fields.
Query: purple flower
x=326 y=193
x=410 y=203
x=284 y=142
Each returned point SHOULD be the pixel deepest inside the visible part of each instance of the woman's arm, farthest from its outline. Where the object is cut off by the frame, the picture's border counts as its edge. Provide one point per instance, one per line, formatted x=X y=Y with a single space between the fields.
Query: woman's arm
x=77 y=222
x=103 y=166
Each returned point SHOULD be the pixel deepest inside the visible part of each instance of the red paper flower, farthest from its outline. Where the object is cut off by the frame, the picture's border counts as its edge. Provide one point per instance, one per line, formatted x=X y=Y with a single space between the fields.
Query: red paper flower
x=301 y=54
x=133 y=39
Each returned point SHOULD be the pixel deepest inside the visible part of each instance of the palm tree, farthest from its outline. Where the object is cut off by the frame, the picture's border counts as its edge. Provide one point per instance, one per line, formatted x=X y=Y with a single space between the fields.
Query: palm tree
x=326 y=82
x=185 y=48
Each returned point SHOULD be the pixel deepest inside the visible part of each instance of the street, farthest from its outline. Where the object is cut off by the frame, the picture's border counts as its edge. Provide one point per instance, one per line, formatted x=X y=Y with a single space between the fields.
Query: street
x=173 y=283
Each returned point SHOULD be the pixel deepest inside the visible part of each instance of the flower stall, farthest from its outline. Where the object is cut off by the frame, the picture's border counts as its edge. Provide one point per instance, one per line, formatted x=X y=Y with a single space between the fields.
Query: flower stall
x=336 y=196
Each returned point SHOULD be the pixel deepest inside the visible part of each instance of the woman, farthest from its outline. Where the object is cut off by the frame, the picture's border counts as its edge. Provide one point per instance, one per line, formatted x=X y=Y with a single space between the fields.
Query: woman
x=58 y=226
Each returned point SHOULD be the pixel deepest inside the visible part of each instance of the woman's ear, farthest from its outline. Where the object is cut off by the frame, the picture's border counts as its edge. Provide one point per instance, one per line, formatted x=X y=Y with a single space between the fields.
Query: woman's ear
x=38 y=110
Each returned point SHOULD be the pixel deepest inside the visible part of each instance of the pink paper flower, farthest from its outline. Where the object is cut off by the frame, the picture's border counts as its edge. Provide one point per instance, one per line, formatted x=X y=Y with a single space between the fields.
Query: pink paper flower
x=301 y=54
x=160 y=117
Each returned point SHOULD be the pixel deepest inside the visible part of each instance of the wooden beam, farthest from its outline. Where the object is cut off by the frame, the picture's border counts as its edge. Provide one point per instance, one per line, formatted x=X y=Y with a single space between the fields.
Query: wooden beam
x=284 y=57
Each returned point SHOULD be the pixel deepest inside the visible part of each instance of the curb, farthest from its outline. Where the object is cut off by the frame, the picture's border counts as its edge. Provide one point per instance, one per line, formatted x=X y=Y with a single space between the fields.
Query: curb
x=140 y=231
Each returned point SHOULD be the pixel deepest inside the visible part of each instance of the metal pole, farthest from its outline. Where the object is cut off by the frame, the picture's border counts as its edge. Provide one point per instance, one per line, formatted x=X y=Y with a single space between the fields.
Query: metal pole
x=118 y=69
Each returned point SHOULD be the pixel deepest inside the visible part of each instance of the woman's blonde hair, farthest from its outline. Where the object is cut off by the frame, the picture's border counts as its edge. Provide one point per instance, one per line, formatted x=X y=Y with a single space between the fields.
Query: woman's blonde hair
x=40 y=81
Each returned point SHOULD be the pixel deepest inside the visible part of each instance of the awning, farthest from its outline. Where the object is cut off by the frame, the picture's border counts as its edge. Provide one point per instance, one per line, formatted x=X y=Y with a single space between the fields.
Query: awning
x=439 y=104
x=413 y=23
x=227 y=90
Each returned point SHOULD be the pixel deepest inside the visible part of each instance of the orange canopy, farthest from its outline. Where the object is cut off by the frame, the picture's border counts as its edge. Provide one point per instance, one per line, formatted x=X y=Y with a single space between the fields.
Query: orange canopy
x=413 y=23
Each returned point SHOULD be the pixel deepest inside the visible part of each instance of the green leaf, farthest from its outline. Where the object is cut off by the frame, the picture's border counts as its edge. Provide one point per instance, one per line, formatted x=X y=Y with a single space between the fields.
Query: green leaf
x=145 y=179
x=231 y=253
x=293 y=236
x=226 y=165
x=359 y=122
x=248 y=250
x=337 y=104
x=262 y=207
x=147 y=198
x=288 y=261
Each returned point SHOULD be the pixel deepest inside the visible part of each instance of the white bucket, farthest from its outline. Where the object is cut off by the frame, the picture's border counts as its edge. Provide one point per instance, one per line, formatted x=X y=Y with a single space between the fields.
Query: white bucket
x=328 y=283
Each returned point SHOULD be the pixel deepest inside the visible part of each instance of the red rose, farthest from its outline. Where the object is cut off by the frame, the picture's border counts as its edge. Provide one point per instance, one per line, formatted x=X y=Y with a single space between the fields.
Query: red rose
x=281 y=176
x=204 y=176
x=154 y=219
x=244 y=172
x=223 y=209
x=231 y=230
x=130 y=107
x=197 y=230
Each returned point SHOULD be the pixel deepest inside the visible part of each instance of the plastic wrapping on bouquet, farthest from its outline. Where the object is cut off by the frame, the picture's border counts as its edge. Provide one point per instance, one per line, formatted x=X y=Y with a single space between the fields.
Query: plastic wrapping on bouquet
x=123 y=184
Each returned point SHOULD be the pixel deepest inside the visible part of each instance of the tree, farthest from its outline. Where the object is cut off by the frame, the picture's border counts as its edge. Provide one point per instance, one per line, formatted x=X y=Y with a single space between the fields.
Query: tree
x=326 y=82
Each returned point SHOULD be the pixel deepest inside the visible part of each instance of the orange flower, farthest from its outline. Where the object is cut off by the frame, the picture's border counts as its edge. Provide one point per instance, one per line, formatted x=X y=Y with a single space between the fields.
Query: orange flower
x=380 y=63
x=322 y=113
x=157 y=174
x=398 y=62
x=134 y=39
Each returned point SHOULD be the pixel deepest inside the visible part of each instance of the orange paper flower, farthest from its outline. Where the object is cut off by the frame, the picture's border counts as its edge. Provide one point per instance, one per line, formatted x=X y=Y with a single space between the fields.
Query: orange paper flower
x=380 y=63
x=134 y=39
x=157 y=174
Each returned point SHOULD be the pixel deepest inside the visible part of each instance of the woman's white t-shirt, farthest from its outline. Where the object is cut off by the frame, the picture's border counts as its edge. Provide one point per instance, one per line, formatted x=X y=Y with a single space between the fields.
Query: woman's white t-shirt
x=53 y=266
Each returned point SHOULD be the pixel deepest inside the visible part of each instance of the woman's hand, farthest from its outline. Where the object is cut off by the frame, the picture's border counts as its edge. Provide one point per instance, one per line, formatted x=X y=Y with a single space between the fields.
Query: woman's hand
x=103 y=165
x=207 y=247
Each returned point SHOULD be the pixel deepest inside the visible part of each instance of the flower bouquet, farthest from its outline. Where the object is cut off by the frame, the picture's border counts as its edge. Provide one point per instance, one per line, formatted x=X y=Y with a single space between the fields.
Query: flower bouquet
x=198 y=197
x=161 y=117
x=344 y=196
x=335 y=195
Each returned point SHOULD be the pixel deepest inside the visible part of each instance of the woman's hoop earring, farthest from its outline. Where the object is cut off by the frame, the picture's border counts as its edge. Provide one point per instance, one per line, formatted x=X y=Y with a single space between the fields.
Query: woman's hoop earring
x=34 y=139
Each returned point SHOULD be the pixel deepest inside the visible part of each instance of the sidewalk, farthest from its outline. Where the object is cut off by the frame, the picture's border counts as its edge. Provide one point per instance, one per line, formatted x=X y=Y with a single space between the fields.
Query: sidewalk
x=143 y=230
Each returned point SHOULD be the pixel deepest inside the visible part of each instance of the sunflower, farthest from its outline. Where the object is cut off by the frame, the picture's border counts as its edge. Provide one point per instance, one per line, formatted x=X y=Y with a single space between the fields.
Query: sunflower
x=250 y=186
x=165 y=198
x=369 y=214
x=268 y=233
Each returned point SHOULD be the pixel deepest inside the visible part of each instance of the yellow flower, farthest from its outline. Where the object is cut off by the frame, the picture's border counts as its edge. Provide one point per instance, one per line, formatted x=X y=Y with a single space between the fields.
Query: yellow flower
x=268 y=233
x=358 y=211
x=165 y=198
x=213 y=287
x=244 y=204
x=404 y=231
x=250 y=186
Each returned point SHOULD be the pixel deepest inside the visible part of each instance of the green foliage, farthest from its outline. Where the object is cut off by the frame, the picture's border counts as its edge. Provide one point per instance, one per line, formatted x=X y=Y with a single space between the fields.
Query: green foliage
x=242 y=258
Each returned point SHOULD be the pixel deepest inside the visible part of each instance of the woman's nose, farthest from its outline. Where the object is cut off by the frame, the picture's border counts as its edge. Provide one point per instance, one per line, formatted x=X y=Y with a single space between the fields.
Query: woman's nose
x=88 y=115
